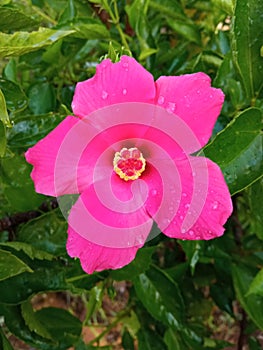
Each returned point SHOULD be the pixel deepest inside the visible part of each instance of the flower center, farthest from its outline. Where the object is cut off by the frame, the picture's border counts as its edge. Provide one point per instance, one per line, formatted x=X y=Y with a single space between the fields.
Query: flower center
x=129 y=164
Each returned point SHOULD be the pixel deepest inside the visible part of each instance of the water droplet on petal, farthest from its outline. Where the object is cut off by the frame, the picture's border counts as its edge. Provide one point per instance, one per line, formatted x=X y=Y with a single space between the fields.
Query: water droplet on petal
x=184 y=194
x=171 y=107
x=154 y=192
x=191 y=232
x=161 y=100
x=104 y=95
x=181 y=217
x=124 y=91
x=183 y=230
x=215 y=205
x=125 y=65
x=187 y=206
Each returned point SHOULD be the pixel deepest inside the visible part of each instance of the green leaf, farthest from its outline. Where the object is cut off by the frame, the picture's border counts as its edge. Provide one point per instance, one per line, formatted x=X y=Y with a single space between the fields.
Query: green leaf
x=161 y=297
x=150 y=340
x=29 y=250
x=238 y=150
x=63 y=327
x=17 y=185
x=132 y=323
x=127 y=341
x=172 y=9
x=188 y=30
x=220 y=294
x=137 y=13
x=192 y=250
x=10 y=265
x=19 y=288
x=146 y=53
x=15 y=97
x=4 y=343
x=88 y=28
x=247 y=32
x=4 y=118
x=42 y=98
x=172 y=340
x=12 y=19
x=252 y=304
x=69 y=12
x=20 y=43
x=28 y=130
x=140 y=264
x=46 y=233
x=16 y=325
x=256 y=286
x=225 y=5
x=32 y=321
x=2 y=139
x=95 y=300
x=256 y=210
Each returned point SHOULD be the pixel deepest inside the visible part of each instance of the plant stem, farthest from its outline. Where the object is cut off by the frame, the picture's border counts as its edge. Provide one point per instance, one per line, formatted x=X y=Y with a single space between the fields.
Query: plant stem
x=120 y=316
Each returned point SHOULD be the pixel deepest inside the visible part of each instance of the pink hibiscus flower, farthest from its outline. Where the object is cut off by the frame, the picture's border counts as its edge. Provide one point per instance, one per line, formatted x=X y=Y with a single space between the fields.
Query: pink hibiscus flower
x=127 y=156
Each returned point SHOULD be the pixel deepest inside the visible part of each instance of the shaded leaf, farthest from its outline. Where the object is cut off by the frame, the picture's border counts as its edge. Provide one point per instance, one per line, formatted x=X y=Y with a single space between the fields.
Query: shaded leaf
x=4 y=343
x=247 y=32
x=168 y=8
x=32 y=321
x=63 y=326
x=42 y=98
x=256 y=210
x=238 y=150
x=252 y=304
x=16 y=325
x=161 y=297
x=28 y=130
x=188 y=30
x=172 y=340
x=150 y=340
x=46 y=233
x=2 y=139
x=19 y=288
x=256 y=286
x=15 y=97
x=17 y=185
x=10 y=265
x=13 y=19
x=140 y=264
x=4 y=118
x=29 y=250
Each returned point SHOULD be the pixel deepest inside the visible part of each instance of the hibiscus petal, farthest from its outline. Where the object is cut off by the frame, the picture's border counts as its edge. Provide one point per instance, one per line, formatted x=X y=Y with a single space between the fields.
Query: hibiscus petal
x=43 y=157
x=203 y=203
x=124 y=81
x=55 y=158
x=112 y=214
x=192 y=98
x=94 y=257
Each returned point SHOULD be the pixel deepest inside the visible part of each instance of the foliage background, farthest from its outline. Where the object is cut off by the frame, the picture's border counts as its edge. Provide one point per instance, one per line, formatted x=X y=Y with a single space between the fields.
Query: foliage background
x=177 y=290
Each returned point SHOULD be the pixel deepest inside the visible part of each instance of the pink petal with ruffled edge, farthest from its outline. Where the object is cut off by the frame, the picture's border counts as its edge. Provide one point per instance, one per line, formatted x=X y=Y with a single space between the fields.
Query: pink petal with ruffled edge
x=192 y=98
x=205 y=202
x=56 y=158
x=109 y=217
x=124 y=81
x=43 y=157
x=94 y=257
